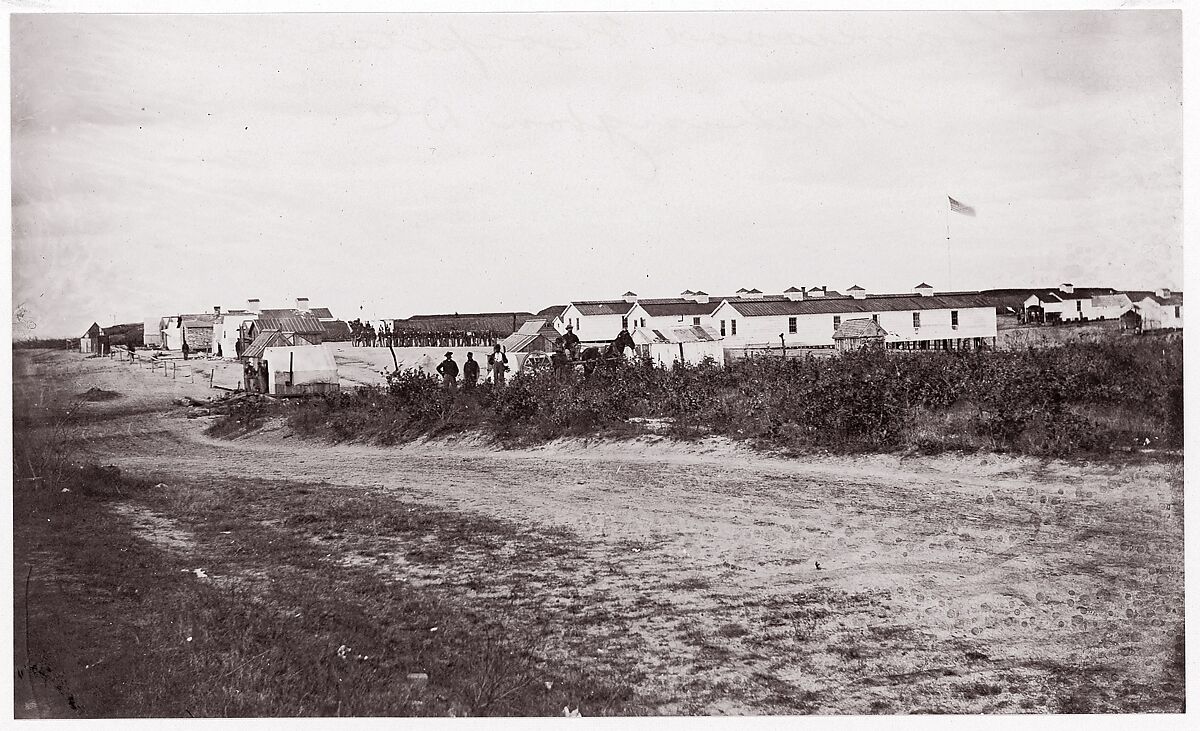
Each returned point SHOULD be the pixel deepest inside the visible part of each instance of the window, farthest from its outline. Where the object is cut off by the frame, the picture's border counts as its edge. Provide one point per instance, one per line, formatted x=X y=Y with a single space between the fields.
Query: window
x=837 y=320
x=1176 y=310
x=696 y=321
x=643 y=322
x=624 y=323
x=954 y=318
x=576 y=323
x=792 y=325
x=733 y=327
x=1079 y=305
x=722 y=328
x=916 y=319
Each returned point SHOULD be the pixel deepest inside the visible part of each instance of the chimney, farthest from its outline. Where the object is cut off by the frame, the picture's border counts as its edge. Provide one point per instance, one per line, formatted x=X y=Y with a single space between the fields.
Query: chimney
x=252 y=306
x=302 y=304
x=823 y=290
x=217 y=310
x=1067 y=287
x=857 y=292
x=923 y=289
x=630 y=297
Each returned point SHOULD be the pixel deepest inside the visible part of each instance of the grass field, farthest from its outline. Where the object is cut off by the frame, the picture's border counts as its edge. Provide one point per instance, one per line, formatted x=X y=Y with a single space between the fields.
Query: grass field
x=272 y=576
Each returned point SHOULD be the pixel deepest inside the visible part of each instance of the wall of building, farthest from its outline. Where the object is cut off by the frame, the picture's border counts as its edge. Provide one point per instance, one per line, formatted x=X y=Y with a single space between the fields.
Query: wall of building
x=592 y=328
x=817 y=330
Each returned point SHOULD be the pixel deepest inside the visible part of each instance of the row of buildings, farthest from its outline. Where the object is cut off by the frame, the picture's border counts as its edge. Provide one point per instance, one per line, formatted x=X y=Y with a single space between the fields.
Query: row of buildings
x=229 y=333
x=799 y=318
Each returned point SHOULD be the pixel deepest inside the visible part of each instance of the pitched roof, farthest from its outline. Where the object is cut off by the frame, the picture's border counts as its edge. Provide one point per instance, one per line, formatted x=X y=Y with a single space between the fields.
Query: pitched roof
x=923 y=285
x=337 y=331
x=93 y=331
x=272 y=339
x=1176 y=298
x=792 y=289
x=859 y=328
x=199 y=319
x=532 y=335
x=307 y=324
x=318 y=312
x=856 y=288
x=500 y=322
x=668 y=306
x=603 y=307
x=839 y=305
x=692 y=334
x=552 y=311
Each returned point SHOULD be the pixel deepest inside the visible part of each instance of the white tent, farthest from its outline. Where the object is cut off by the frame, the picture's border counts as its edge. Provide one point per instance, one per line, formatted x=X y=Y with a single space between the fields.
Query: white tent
x=301 y=369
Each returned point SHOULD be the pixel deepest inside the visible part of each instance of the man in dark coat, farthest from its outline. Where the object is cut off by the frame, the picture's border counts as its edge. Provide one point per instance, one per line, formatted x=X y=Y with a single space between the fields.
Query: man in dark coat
x=185 y=349
x=571 y=342
x=449 y=370
x=470 y=371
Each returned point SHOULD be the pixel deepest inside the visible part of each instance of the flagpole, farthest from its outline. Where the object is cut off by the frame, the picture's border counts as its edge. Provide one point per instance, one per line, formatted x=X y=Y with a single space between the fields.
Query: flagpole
x=949 y=284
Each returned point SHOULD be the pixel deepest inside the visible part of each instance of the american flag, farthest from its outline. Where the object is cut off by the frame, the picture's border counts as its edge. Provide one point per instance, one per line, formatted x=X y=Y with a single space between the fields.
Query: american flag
x=962 y=208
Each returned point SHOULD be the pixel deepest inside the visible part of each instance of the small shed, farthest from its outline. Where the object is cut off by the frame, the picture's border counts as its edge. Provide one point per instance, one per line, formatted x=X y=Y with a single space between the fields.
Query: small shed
x=534 y=336
x=301 y=370
x=858 y=333
x=91 y=340
x=690 y=345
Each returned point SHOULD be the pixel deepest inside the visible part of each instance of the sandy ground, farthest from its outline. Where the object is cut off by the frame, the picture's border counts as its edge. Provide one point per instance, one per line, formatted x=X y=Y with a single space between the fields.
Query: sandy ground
x=955 y=583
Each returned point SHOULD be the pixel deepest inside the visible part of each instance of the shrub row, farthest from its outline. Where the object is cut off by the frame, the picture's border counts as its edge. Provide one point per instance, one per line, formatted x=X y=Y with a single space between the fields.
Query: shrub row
x=1080 y=397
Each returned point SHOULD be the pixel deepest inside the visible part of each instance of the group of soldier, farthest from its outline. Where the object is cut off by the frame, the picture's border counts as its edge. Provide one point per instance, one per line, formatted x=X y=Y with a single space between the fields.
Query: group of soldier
x=497 y=364
x=367 y=334
x=566 y=345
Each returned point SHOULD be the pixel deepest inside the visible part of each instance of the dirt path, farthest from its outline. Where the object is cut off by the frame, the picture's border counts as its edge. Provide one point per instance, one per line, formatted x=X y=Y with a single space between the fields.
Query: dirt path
x=990 y=584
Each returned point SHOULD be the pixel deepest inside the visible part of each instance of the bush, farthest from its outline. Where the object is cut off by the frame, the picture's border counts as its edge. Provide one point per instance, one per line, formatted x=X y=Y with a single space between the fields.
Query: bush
x=1081 y=397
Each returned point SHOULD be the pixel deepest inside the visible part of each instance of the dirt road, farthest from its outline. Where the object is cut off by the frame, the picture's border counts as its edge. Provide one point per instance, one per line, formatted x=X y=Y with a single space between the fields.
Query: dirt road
x=741 y=583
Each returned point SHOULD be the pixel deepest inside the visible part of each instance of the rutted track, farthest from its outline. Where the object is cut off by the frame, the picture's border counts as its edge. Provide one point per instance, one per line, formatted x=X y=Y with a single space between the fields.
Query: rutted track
x=1027 y=567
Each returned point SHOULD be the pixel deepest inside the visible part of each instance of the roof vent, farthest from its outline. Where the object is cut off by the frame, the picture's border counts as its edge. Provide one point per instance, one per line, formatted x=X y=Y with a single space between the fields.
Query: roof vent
x=701 y=297
x=857 y=292
x=1067 y=287
x=1164 y=292
x=794 y=293
x=630 y=297
x=923 y=289
x=816 y=292
x=302 y=304
x=753 y=294
x=253 y=306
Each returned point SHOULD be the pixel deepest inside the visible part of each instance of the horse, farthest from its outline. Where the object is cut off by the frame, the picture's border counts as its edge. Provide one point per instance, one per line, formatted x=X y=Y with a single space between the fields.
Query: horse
x=594 y=356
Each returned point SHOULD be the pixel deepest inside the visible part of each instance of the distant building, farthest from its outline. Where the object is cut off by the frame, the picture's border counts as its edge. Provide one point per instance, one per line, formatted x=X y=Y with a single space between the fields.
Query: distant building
x=921 y=321
x=1161 y=309
x=691 y=344
x=858 y=333
x=232 y=331
x=91 y=341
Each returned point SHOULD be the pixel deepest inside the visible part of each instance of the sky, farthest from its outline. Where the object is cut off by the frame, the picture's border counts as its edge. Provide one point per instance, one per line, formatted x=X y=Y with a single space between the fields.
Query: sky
x=389 y=165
